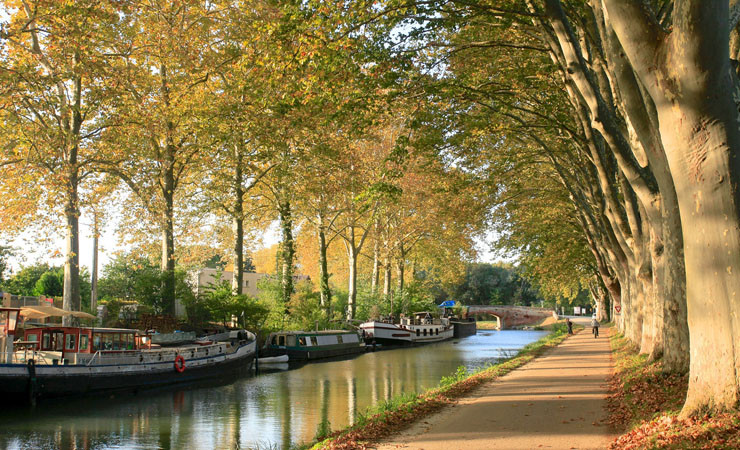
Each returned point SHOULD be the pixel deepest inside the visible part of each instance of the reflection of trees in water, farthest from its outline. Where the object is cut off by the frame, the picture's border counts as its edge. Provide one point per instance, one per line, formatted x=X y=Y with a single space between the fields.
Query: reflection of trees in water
x=161 y=418
x=270 y=410
x=285 y=416
x=351 y=398
x=236 y=408
x=325 y=400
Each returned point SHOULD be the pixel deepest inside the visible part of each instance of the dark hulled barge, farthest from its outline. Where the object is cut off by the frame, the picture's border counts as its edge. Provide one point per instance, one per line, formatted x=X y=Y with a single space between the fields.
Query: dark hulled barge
x=55 y=361
x=310 y=345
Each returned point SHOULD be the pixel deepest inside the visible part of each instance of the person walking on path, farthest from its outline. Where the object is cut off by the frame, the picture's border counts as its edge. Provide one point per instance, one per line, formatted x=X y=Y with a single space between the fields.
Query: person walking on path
x=555 y=402
x=595 y=327
x=570 y=325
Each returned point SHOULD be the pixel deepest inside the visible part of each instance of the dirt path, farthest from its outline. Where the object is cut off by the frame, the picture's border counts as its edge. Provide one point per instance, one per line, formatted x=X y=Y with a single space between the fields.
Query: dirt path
x=554 y=402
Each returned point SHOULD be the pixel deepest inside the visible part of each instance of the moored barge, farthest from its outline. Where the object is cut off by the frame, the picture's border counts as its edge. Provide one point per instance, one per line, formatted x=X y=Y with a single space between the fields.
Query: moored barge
x=310 y=345
x=422 y=328
x=56 y=361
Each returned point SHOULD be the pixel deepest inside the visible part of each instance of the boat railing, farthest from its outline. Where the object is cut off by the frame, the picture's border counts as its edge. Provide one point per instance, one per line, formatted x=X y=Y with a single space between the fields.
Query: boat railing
x=89 y=363
x=40 y=358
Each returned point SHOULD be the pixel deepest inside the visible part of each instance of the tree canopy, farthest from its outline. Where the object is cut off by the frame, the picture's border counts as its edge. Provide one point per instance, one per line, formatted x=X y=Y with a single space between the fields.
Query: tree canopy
x=598 y=139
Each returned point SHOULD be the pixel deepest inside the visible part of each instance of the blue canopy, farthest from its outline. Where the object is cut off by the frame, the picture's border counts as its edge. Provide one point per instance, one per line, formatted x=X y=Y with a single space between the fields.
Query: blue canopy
x=447 y=304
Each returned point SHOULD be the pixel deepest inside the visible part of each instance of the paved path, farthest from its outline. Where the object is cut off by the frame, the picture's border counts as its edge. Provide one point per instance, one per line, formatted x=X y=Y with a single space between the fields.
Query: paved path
x=555 y=402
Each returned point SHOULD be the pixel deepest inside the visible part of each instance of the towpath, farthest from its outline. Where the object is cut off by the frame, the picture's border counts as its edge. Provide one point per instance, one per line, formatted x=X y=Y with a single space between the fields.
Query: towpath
x=557 y=401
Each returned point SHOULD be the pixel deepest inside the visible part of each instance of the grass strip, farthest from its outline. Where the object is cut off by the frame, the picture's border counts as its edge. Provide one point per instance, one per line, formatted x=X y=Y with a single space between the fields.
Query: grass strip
x=399 y=412
x=644 y=403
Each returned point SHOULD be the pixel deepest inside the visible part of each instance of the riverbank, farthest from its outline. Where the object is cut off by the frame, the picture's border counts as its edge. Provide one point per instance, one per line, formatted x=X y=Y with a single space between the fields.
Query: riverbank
x=392 y=416
x=644 y=404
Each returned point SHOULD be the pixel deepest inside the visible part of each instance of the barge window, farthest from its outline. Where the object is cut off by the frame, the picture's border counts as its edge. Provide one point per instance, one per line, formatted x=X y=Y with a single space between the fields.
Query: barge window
x=83 y=342
x=291 y=341
x=339 y=339
x=58 y=340
x=314 y=341
x=116 y=341
x=96 y=342
x=70 y=342
x=107 y=341
x=425 y=331
x=130 y=341
x=418 y=332
x=281 y=340
x=302 y=341
x=46 y=342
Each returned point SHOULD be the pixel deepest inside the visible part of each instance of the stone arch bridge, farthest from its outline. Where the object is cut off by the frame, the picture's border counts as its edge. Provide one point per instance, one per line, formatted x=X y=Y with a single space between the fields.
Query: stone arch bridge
x=509 y=316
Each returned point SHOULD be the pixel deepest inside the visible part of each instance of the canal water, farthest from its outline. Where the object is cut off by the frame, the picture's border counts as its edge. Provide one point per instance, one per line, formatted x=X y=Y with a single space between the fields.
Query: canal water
x=272 y=410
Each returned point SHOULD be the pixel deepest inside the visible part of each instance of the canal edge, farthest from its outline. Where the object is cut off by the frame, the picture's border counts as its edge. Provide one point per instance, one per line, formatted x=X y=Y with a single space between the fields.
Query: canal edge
x=403 y=410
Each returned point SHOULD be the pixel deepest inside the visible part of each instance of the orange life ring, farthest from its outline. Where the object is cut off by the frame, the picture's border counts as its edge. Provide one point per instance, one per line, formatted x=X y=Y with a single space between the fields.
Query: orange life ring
x=180 y=364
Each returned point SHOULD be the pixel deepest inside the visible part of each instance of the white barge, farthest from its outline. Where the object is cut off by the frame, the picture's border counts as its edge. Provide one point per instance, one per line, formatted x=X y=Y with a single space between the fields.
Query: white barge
x=422 y=328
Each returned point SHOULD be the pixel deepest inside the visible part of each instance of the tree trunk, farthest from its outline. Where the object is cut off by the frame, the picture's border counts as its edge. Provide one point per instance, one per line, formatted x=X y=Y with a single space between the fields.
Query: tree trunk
x=352 y=262
x=288 y=251
x=167 y=184
x=599 y=296
x=386 y=277
x=94 y=275
x=657 y=290
x=376 y=267
x=71 y=289
x=71 y=292
x=709 y=203
x=400 y=268
x=168 y=242
x=675 y=322
x=168 y=264
x=688 y=75
x=667 y=247
x=237 y=281
x=324 y=288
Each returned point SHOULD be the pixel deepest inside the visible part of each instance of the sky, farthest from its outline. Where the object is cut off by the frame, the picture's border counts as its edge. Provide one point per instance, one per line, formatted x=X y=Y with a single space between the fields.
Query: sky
x=31 y=252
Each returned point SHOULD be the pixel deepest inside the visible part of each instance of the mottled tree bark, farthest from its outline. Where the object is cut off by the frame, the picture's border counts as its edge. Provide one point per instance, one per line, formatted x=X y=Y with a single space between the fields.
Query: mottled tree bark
x=324 y=289
x=71 y=292
x=375 y=277
x=94 y=274
x=237 y=281
x=287 y=253
x=386 y=277
x=352 y=253
x=72 y=127
x=688 y=76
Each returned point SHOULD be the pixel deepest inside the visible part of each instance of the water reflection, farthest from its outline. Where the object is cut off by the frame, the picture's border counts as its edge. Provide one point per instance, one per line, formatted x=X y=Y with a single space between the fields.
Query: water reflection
x=273 y=409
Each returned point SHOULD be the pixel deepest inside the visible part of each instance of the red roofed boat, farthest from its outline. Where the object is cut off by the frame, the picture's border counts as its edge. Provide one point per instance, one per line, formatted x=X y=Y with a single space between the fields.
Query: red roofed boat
x=55 y=360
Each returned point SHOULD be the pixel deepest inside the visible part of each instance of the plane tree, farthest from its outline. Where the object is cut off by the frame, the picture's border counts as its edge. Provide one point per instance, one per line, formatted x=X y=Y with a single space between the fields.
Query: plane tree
x=55 y=100
x=650 y=88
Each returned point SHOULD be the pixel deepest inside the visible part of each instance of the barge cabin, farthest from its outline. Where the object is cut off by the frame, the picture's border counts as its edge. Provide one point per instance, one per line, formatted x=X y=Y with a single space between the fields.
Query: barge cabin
x=309 y=345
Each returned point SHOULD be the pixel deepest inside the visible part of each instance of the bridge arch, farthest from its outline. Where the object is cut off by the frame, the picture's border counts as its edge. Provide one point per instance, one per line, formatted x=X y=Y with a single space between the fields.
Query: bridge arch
x=509 y=316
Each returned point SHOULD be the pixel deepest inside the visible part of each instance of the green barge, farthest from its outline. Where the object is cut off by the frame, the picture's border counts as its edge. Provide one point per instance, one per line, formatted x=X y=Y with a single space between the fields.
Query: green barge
x=310 y=345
